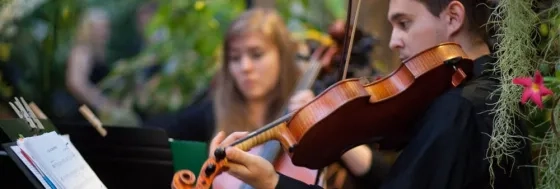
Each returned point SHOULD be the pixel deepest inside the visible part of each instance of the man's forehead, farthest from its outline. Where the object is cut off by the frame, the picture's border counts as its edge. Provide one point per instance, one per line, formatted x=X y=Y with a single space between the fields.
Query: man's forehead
x=399 y=8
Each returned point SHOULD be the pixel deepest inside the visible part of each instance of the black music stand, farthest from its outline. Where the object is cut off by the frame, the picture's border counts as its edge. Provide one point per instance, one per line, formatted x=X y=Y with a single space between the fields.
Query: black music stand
x=13 y=171
x=126 y=157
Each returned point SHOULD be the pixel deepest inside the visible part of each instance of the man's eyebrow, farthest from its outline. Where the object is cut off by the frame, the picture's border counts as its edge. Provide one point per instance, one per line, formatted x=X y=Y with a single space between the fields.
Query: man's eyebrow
x=396 y=16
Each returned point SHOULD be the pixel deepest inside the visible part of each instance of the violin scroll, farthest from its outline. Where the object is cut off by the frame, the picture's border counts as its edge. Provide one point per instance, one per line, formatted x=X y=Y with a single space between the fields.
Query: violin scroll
x=183 y=179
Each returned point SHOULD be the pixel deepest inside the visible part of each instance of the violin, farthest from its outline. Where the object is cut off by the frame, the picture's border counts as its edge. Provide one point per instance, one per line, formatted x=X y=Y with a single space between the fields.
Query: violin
x=335 y=38
x=352 y=112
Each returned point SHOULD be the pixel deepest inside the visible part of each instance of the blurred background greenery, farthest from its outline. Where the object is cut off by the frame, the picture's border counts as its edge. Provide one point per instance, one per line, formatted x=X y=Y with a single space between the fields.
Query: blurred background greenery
x=184 y=42
x=182 y=39
x=169 y=62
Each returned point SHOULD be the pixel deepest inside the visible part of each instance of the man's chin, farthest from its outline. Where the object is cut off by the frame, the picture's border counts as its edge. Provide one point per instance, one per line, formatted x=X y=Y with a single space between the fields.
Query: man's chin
x=403 y=59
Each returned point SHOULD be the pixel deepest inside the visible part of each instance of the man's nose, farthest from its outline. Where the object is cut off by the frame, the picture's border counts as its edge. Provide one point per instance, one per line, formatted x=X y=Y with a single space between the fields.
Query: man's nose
x=396 y=42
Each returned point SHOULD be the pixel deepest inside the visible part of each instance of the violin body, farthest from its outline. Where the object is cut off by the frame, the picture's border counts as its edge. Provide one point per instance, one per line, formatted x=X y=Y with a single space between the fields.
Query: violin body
x=353 y=112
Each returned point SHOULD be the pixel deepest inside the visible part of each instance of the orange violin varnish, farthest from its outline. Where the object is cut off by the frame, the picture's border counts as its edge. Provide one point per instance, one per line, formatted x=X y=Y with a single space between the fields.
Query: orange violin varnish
x=353 y=112
x=183 y=179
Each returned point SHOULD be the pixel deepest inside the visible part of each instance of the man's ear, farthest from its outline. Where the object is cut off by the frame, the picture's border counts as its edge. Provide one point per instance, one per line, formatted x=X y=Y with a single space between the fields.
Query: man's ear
x=454 y=18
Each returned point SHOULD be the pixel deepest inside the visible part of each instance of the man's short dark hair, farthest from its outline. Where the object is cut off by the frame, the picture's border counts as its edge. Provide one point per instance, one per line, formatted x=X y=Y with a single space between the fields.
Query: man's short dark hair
x=477 y=13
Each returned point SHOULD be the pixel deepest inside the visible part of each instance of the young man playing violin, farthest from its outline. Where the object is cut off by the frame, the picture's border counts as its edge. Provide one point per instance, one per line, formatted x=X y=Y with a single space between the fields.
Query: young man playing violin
x=451 y=139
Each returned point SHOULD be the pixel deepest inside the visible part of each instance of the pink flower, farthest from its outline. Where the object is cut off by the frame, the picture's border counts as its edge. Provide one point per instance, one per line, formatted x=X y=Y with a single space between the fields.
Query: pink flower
x=534 y=88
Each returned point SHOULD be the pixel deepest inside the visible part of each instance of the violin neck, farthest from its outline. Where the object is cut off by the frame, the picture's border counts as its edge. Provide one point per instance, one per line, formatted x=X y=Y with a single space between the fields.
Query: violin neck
x=277 y=130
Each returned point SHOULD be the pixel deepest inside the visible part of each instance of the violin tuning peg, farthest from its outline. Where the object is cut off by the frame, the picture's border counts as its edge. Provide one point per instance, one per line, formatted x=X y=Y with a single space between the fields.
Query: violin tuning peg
x=220 y=153
x=209 y=169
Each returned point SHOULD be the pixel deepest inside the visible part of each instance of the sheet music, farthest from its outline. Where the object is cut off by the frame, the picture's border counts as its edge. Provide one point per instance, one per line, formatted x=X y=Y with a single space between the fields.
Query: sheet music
x=33 y=170
x=59 y=159
x=67 y=137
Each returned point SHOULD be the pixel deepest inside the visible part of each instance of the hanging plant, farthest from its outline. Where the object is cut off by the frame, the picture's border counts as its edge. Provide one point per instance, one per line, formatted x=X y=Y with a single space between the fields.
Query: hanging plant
x=523 y=50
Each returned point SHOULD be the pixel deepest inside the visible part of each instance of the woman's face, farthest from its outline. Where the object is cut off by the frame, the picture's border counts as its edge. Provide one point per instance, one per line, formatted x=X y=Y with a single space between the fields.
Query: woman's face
x=254 y=63
x=101 y=32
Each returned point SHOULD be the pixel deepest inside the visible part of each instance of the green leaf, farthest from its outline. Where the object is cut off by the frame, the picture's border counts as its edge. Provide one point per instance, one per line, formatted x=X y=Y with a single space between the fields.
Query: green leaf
x=337 y=8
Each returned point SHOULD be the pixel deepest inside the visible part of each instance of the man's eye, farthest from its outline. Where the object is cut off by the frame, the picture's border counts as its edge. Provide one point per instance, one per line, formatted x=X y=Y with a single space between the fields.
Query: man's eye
x=404 y=24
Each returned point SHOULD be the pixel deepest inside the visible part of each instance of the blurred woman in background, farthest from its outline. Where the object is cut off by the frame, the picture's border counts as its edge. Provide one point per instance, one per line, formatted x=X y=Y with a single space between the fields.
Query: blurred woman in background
x=86 y=67
x=256 y=81
x=257 y=77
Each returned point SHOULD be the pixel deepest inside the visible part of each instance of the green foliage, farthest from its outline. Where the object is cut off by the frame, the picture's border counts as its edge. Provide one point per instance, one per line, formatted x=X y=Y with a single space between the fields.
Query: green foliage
x=39 y=47
x=301 y=15
x=187 y=38
x=36 y=46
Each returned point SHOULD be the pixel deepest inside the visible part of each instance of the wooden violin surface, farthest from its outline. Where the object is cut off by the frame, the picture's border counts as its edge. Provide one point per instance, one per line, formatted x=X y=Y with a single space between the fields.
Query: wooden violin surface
x=355 y=111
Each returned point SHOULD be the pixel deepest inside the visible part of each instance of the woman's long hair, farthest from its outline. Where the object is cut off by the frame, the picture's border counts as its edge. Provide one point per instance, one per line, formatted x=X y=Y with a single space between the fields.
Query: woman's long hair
x=229 y=103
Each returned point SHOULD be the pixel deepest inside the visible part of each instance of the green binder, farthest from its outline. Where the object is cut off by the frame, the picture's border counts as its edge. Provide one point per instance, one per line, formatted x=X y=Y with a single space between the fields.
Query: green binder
x=189 y=155
x=12 y=128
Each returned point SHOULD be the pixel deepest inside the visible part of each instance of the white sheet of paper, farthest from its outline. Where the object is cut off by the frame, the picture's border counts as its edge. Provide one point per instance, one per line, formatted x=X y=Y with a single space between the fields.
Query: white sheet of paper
x=61 y=161
x=67 y=137
x=35 y=172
